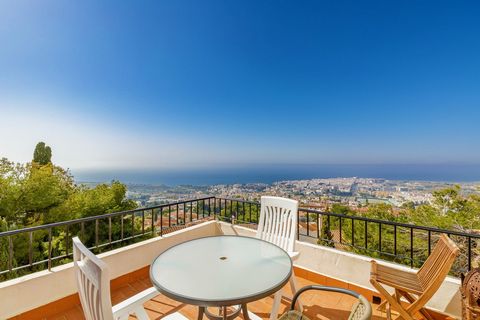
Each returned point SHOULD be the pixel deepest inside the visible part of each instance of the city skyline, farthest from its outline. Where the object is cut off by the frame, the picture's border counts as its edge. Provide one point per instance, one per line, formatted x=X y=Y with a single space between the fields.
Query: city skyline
x=177 y=85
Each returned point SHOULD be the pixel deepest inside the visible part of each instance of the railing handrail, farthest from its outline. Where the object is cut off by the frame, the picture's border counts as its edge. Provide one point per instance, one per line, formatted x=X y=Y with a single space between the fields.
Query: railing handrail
x=372 y=220
x=394 y=223
x=118 y=213
x=231 y=209
x=93 y=218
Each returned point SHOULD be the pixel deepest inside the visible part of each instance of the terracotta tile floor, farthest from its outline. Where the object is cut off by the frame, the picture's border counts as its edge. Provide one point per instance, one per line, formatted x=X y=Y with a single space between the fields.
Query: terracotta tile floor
x=318 y=305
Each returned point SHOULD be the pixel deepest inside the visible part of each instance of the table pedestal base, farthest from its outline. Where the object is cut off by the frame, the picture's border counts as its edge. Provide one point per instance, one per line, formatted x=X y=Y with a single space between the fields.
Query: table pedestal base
x=223 y=315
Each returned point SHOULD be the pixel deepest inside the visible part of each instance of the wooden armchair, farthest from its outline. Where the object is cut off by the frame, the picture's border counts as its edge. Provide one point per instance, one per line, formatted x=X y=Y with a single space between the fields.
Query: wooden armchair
x=417 y=288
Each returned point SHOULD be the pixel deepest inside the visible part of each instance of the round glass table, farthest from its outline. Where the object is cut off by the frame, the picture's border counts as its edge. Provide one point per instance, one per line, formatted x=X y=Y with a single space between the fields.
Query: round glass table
x=221 y=271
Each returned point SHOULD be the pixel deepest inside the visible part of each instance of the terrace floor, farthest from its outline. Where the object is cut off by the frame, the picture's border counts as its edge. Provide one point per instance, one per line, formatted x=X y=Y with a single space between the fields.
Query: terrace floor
x=318 y=305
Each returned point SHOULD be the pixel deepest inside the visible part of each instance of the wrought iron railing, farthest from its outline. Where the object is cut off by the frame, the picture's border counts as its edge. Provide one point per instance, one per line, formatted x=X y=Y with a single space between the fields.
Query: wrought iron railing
x=403 y=243
x=41 y=247
x=44 y=246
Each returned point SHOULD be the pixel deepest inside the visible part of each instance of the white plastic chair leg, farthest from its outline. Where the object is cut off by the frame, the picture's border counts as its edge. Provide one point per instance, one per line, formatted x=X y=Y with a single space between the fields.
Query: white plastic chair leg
x=277 y=298
x=141 y=313
x=294 y=287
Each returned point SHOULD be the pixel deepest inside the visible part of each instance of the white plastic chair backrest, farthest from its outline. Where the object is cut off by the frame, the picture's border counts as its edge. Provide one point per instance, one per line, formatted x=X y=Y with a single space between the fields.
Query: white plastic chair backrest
x=93 y=283
x=278 y=222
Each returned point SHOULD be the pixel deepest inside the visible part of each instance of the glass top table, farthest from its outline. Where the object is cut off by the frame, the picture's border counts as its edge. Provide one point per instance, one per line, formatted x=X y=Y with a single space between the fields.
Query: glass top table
x=221 y=271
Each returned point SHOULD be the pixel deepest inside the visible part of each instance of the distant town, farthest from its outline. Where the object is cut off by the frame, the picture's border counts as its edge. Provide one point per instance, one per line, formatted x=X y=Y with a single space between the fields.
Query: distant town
x=320 y=193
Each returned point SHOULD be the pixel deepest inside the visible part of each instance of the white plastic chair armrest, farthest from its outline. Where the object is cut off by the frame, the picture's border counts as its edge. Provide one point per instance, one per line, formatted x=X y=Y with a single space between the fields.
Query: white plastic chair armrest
x=253 y=316
x=294 y=255
x=129 y=305
x=174 y=316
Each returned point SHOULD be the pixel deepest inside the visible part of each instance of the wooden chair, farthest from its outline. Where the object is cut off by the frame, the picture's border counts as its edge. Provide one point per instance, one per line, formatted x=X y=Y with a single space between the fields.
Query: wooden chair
x=93 y=283
x=417 y=288
x=278 y=224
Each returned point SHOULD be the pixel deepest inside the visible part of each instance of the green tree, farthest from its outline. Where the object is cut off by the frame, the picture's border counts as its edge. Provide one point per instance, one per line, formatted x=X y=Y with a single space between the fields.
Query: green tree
x=42 y=154
x=28 y=192
x=86 y=202
x=33 y=194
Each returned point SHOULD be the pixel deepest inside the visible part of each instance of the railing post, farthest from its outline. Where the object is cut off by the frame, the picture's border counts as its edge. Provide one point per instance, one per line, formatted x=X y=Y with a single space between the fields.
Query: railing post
x=30 y=248
x=244 y=216
x=82 y=230
x=380 y=238
x=366 y=235
x=411 y=247
x=318 y=225
x=176 y=222
x=298 y=224
x=96 y=233
x=395 y=240
x=353 y=233
x=67 y=245
x=469 y=239
x=308 y=225
x=184 y=213
x=215 y=208
x=121 y=228
x=133 y=224
x=169 y=217
x=110 y=230
x=340 y=229
x=250 y=212
x=10 y=253
x=161 y=221
x=153 y=222
x=429 y=242
x=49 y=249
x=191 y=211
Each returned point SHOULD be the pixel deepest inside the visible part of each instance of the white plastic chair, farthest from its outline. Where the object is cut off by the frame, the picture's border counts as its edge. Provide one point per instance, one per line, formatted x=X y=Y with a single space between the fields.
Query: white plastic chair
x=278 y=225
x=93 y=283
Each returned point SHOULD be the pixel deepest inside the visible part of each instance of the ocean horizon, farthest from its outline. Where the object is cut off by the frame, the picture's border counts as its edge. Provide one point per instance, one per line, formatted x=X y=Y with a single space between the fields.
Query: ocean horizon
x=274 y=173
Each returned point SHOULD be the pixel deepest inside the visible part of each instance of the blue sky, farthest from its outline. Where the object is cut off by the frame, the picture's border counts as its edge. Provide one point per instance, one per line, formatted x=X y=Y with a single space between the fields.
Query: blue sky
x=129 y=84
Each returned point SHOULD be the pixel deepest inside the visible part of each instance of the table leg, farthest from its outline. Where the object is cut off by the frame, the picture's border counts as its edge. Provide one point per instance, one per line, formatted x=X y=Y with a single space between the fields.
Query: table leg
x=201 y=311
x=245 y=312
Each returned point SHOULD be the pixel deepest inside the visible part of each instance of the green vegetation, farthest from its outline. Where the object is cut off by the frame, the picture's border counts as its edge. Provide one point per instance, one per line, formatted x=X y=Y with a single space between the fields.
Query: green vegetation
x=42 y=154
x=449 y=210
x=39 y=193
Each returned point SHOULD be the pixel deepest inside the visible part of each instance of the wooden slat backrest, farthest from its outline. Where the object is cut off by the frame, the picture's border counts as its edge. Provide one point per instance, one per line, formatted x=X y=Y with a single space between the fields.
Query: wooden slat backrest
x=278 y=222
x=438 y=264
x=93 y=283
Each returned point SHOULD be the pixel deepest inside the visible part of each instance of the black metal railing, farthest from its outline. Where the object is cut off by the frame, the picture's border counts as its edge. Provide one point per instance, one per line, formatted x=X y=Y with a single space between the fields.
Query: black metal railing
x=42 y=247
x=403 y=243
x=238 y=211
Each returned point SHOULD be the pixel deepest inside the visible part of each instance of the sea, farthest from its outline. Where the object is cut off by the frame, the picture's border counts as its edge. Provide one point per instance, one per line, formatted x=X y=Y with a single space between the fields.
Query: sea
x=272 y=173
